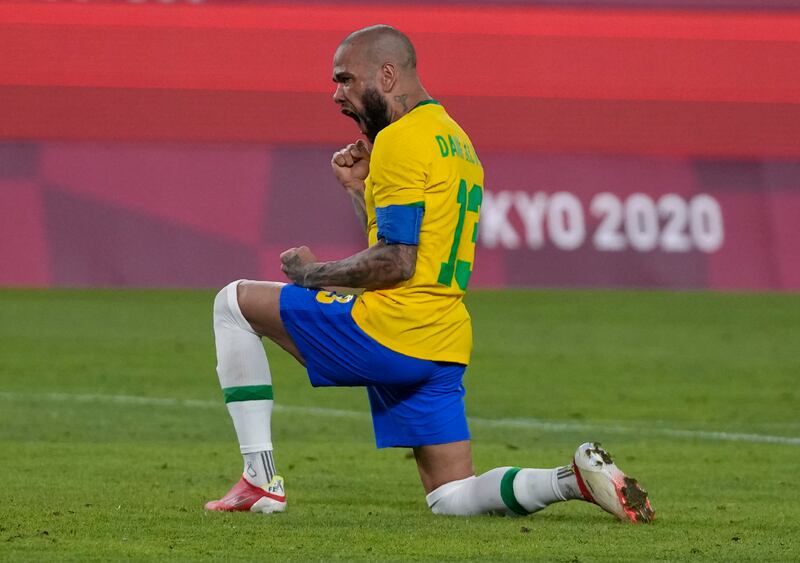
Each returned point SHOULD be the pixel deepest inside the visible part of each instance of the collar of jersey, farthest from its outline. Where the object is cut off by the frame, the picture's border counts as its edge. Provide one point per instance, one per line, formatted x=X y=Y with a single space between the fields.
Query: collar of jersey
x=426 y=102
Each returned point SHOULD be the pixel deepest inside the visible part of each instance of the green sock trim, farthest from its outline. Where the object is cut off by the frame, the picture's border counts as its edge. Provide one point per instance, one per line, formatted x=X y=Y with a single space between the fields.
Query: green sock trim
x=507 y=492
x=247 y=393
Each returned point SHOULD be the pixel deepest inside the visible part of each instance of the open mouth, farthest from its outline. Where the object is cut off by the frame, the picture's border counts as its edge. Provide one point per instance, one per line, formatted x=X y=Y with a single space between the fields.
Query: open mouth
x=355 y=117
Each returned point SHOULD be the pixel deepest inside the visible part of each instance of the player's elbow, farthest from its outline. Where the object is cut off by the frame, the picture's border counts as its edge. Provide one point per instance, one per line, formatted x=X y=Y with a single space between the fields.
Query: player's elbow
x=391 y=264
x=406 y=262
x=407 y=271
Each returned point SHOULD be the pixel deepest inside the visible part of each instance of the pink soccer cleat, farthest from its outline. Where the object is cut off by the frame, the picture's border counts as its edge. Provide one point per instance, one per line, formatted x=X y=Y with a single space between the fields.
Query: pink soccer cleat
x=604 y=484
x=243 y=497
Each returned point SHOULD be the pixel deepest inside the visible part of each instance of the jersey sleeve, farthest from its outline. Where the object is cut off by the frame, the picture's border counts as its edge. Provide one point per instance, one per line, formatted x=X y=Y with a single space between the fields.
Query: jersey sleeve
x=398 y=173
x=399 y=170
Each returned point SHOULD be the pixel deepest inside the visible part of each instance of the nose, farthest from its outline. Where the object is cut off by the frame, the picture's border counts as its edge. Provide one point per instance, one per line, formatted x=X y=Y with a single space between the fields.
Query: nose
x=337 y=95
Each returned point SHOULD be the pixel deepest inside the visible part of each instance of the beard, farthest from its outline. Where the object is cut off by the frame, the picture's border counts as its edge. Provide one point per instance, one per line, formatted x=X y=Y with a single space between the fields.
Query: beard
x=376 y=113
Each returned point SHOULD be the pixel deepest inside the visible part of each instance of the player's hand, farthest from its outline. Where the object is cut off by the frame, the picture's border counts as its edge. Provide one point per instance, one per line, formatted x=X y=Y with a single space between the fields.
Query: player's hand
x=351 y=165
x=294 y=263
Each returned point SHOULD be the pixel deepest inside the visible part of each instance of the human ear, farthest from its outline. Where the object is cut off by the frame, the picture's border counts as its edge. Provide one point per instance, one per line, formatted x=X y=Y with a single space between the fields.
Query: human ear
x=388 y=76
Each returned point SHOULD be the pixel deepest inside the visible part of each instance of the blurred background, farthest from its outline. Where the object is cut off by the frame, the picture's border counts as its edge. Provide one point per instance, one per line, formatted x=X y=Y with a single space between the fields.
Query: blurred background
x=626 y=143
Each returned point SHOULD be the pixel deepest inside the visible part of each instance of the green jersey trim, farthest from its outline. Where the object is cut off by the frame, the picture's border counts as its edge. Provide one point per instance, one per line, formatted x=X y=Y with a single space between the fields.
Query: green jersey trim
x=427 y=102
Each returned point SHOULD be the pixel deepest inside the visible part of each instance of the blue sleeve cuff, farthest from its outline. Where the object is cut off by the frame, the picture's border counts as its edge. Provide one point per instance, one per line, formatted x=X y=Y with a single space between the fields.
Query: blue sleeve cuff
x=400 y=224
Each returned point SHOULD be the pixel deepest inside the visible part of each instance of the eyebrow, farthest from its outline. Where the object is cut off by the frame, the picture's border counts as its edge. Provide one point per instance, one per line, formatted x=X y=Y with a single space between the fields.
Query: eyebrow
x=341 y=76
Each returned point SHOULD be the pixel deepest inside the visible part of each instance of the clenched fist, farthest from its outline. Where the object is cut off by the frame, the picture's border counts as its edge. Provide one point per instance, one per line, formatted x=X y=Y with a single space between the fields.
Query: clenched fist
x=351 y=165
x=294 y=263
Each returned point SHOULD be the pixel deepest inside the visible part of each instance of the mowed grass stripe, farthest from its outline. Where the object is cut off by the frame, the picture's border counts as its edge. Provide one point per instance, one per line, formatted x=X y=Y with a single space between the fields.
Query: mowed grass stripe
x=116 y=479
x=637 y=427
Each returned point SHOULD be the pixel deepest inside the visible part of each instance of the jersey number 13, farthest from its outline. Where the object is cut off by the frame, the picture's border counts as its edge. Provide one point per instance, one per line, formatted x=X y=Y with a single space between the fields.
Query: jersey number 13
x=469 y=207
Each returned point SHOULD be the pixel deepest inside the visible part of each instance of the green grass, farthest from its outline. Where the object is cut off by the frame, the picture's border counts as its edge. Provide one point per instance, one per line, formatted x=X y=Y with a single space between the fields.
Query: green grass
x=87 y=474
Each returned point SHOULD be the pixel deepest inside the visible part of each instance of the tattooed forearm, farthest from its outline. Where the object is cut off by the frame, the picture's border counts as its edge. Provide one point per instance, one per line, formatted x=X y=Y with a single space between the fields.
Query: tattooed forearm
x=378 y=267
x=402 y=99
x=360 y=207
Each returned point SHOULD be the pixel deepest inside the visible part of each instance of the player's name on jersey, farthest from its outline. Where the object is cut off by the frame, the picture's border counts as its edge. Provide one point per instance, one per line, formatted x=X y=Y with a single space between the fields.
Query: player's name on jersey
x=453 y=146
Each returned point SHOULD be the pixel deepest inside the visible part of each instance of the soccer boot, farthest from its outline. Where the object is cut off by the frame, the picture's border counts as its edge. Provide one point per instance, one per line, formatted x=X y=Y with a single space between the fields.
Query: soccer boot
x=243 y=496
x=604 y=484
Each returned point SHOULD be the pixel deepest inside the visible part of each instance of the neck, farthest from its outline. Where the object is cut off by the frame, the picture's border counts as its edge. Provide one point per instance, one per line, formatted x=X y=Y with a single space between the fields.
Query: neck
x=405 y=100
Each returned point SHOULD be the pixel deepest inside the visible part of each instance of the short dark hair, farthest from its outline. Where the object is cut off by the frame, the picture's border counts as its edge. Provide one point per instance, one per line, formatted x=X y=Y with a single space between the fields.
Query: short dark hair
x=381 y=31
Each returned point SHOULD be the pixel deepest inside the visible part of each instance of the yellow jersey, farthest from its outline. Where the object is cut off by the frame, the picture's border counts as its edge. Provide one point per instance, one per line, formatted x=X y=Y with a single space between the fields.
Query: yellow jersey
x=425 y=159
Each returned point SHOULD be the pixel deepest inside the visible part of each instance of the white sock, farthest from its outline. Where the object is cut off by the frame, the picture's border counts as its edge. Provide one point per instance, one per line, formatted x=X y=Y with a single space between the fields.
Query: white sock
x=473 y=495
x=567 y=483
x=503 y=490
x=246 y=384
x=259 y=467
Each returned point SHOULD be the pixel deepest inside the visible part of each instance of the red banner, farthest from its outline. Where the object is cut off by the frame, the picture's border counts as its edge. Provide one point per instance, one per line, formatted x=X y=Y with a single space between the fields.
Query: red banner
x=151 y=145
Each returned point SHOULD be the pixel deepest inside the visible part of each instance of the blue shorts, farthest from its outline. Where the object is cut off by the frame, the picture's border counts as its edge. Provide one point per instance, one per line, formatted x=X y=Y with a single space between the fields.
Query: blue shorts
x=414 y=402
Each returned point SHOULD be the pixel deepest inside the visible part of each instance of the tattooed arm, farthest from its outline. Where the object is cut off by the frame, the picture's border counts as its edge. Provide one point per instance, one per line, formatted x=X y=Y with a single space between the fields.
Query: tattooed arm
x=351 y=166
x=359 y=205
x=378 y=267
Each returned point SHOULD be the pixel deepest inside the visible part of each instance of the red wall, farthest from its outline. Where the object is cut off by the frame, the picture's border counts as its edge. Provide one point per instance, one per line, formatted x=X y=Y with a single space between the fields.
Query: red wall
x=188 y=145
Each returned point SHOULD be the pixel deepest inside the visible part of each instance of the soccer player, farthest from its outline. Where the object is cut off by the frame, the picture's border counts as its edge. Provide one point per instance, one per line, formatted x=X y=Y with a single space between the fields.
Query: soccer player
x=407 y=337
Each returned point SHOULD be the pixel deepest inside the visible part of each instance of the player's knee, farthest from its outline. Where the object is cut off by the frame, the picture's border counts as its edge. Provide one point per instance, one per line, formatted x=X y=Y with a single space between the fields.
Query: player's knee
x=226 y=306
x=247 y=299
x=221 y=300
x=443 y=508
x=449 y=499
x=243 y=295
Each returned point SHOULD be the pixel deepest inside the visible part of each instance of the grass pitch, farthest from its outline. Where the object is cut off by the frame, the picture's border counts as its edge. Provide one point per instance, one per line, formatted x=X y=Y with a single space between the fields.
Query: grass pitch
x=113 y=433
